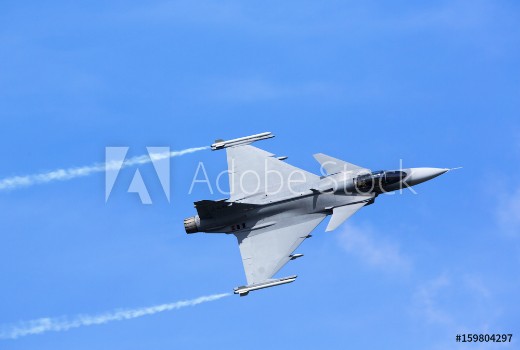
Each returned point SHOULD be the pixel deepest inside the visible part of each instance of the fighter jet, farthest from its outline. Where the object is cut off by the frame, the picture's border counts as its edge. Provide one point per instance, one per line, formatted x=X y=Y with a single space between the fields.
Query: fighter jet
x=273 y=206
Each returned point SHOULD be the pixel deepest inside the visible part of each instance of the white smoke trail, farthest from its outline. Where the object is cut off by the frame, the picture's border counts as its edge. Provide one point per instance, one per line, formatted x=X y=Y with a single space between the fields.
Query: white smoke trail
x=43 y=325
x=71 y=173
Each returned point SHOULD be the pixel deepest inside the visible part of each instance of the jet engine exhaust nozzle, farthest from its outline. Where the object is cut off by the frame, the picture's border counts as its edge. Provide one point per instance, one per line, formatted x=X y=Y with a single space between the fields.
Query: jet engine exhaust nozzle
x=190 y=224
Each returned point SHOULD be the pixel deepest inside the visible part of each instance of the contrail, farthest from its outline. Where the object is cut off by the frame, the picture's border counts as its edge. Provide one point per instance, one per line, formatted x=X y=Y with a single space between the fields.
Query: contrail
x=61 y=324
x=14 y=182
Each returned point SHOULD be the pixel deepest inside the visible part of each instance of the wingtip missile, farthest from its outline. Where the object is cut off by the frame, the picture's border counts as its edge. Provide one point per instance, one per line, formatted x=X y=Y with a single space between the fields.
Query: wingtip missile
x=244 y=290
x=220 y=144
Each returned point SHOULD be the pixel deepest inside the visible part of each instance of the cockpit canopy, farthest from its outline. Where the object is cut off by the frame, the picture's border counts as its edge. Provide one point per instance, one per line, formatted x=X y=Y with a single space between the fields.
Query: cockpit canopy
x=378 y=181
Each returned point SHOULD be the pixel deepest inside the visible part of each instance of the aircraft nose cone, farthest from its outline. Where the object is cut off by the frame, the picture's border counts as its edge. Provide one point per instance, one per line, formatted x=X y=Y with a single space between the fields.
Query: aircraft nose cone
x=419 y=175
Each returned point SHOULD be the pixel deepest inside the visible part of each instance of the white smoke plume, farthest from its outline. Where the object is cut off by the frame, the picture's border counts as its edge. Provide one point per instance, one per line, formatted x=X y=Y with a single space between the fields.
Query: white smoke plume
x=61 y=324
x=15 y=182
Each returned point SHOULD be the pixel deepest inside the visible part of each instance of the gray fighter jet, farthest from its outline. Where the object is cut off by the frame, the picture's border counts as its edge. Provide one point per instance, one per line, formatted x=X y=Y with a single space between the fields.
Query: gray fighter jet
x=273 y=206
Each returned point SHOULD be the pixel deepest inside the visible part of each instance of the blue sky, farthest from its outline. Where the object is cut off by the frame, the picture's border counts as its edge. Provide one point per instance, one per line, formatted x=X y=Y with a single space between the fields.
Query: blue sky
x=433 y=83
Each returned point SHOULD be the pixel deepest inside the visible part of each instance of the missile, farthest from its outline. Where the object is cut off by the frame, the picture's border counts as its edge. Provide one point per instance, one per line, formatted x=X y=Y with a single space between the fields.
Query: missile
x=244 y=290
x=282 y=158
x=220 y=144
x=295 y=256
